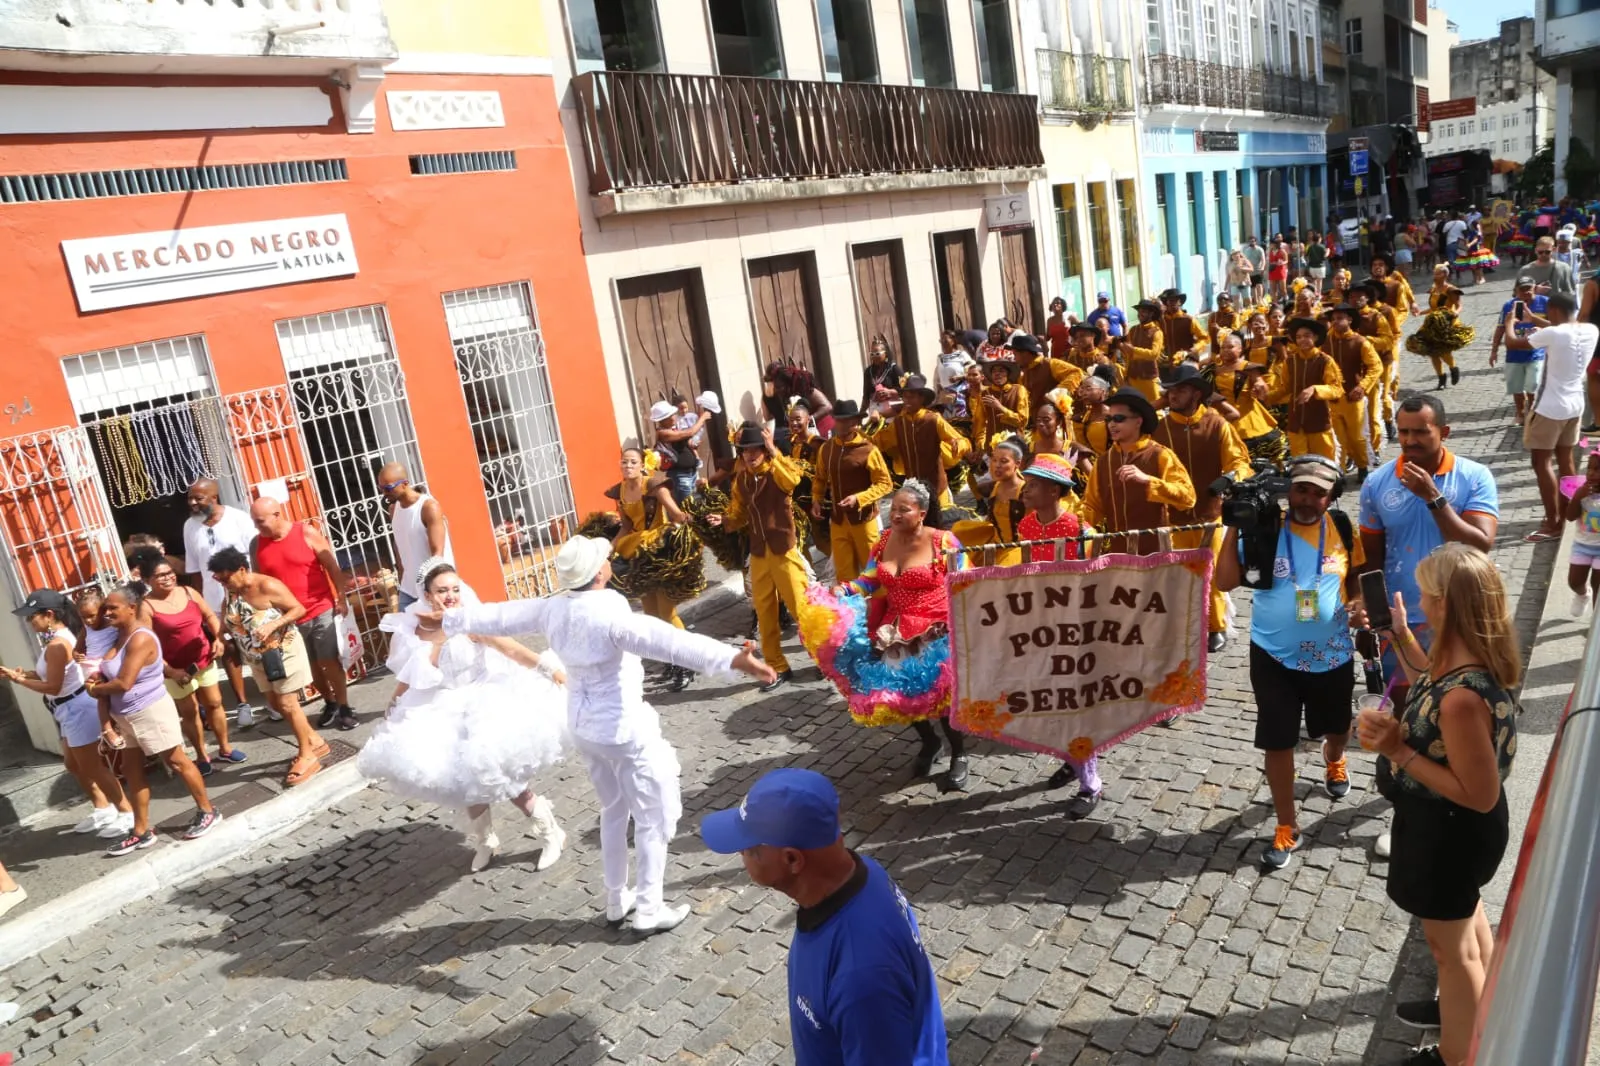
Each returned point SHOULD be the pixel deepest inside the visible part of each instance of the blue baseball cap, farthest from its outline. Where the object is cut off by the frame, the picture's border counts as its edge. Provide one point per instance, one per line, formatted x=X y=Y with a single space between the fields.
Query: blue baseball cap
x=1102 y=296
x=783 y=809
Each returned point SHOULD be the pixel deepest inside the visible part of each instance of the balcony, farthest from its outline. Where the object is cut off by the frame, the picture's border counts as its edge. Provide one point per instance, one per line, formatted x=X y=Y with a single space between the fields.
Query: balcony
x=1088 y=86
x=1176 y=81
x=655 y=141
x=230 y=37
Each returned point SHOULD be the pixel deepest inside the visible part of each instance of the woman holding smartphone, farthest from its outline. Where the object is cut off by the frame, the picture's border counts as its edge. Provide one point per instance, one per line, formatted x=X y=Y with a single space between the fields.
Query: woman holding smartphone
x=1442 y=763
x=260 y=612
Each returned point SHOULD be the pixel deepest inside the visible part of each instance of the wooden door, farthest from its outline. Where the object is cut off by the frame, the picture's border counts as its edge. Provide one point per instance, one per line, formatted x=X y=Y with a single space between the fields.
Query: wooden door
x=662 y=316
x=882 y=303
x=783 y=298
x=1019 y=281
x=960 y=291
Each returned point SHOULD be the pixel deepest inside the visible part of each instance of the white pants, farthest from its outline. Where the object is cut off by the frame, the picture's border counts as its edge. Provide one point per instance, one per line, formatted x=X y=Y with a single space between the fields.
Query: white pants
x=637 y=780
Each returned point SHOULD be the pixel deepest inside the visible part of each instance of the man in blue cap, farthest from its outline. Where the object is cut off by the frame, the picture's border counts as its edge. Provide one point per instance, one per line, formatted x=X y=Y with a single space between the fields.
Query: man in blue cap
x=1116 y=322
x=861 y=988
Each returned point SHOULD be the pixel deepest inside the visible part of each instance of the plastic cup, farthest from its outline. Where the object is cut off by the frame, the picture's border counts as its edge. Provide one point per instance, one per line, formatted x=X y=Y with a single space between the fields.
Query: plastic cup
x=1373 y=708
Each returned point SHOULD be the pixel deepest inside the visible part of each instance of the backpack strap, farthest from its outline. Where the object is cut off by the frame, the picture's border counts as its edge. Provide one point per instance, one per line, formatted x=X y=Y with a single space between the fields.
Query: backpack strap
x=1347 y=533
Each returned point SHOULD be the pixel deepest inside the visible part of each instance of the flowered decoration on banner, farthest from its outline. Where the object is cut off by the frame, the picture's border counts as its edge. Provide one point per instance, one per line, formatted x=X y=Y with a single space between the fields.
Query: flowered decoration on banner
x=1080 y=749
x=985 y=716
x=1182 y=686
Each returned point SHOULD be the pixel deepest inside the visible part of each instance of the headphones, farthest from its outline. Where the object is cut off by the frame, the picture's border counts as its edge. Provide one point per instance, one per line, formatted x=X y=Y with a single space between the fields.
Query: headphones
x=1320 y=460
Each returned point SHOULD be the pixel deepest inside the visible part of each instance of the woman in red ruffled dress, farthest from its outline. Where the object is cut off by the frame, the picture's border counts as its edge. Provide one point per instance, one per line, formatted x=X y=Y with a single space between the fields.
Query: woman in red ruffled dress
x=884 y=639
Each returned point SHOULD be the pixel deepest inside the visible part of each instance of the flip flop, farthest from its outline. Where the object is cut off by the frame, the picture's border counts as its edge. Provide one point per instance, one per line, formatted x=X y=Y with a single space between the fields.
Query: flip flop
x=299 y=775
x=1538 y=536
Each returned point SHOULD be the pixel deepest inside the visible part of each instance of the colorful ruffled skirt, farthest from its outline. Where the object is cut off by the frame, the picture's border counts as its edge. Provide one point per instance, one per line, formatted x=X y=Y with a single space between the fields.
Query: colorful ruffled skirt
x=1520 y=244
x=1482 y=259
x=879 y=691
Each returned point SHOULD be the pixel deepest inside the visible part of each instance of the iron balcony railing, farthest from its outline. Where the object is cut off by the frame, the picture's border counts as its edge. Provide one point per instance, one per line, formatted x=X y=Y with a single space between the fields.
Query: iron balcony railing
x=1071 y=81
x=655 y=130
x=1184 y=82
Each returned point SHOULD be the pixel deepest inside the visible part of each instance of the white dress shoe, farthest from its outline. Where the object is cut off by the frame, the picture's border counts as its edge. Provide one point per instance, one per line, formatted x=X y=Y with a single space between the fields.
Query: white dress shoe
x=1381 y=848
x=661 y=920
x=618 y=913
x=480 y=833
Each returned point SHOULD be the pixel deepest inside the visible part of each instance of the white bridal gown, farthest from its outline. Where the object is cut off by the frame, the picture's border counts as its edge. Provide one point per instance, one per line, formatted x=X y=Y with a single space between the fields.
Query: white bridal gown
x=472 y=729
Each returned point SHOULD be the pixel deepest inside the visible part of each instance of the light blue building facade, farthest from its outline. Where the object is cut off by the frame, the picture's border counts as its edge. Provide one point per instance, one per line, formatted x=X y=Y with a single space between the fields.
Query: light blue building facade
x=1208 y=190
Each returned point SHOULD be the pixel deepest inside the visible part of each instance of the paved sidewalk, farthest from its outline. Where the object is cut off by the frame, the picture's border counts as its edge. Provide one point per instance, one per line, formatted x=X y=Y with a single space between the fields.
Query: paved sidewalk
x=1145 y=934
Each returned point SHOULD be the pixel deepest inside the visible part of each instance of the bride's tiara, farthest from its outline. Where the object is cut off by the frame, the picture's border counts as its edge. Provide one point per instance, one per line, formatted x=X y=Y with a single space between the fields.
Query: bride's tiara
x=430 y=566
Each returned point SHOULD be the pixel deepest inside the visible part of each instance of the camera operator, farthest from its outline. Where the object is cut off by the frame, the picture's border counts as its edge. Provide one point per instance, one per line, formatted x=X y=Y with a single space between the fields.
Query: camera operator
x=1301 y=655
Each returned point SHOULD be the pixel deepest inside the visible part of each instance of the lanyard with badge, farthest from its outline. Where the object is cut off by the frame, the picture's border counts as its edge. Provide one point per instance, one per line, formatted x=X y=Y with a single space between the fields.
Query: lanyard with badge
x=1305 y=600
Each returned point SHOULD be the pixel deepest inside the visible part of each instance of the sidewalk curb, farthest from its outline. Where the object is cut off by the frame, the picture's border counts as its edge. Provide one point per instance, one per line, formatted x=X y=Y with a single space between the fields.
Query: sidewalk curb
x=171 y=863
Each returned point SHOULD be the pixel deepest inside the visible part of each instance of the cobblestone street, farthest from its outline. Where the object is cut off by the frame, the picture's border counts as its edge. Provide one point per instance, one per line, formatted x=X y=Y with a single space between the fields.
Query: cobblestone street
x=1146 y=933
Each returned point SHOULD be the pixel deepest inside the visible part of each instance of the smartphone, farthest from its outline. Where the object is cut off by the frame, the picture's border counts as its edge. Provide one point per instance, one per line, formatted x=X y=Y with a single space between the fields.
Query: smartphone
x=1375 y=594
x=1519 y=309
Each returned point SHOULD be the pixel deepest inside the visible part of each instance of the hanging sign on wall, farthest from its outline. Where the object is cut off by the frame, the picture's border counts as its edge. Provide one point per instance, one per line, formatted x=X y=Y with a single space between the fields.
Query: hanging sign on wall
x=146 y=268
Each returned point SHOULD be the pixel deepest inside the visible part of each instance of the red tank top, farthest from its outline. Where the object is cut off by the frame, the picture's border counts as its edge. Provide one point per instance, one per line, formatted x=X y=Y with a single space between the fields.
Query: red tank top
x=292 y=561
x=182 y=637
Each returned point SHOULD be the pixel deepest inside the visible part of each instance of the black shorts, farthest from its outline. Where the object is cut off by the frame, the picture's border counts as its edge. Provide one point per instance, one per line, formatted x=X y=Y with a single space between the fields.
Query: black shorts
x=1441 y=854
x=1284 y=697
x=1255 y=279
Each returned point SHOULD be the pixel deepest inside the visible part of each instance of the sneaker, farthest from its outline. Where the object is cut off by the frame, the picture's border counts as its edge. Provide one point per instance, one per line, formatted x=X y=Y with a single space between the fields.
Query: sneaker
x=1428 y=1056
x=330 y=714
x=347 y=719
x=1064 y=775
x=10 y=899
x=661 y=920
x=201 y=823
x=1336 y=779
x=1578 y=606
x=246 y=716
x=119 y=826
x=132 y=842
x=1418 y=1013
x=235 y=757
x=1082 y=805
x=1380 y=847
x=783 y=678
x=98 y=819
x=1285 y=842
x=205 y=767
x=273 y=715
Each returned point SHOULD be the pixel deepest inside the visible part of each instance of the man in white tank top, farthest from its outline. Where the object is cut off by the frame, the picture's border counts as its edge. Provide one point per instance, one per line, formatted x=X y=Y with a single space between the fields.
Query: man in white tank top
x=420 y=530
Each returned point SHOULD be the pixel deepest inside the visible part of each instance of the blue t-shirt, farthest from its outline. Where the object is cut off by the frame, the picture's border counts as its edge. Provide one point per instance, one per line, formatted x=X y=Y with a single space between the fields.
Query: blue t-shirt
x=861 y=988
x=1409 y=531
x=1116 y=321
x=1522 y=329
x=1313 y=646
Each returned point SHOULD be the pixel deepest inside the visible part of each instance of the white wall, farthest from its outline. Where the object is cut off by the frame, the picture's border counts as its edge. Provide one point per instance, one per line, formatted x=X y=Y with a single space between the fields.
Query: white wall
x=1491 y=128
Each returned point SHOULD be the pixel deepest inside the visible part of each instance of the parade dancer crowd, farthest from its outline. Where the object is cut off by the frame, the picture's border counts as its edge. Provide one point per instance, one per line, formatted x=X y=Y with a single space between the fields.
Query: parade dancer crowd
x=846 y=515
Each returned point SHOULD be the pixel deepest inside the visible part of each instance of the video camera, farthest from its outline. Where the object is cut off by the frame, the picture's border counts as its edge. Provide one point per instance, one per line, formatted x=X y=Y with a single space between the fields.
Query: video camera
x=1254 y=508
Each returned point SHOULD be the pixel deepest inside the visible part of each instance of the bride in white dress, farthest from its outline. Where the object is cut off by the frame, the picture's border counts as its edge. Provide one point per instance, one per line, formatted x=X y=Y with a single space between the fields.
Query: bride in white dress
x=472 y=719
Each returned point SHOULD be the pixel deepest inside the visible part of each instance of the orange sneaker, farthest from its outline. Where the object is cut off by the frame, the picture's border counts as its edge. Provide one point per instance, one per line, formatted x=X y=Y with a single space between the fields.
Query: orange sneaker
x=1337 y=779
x=1285 y=842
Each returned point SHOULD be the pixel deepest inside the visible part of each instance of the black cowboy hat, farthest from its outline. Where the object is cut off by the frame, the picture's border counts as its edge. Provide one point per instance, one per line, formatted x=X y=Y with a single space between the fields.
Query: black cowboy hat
x=846 y=409
x=1025 y=342
x=751 y=435
x=919 y=384
x=1188 y=374
x=1135 y=401
x=1294 y=325
x=1083 y=327
x=1174 y=294
x=1147 y=304
x=1013 y=371
x=1376 y=290
x=1348 y=309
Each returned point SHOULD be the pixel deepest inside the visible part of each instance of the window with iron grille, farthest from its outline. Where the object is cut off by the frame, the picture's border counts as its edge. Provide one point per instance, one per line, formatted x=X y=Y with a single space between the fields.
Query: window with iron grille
x=149 y=181
x=500 y=360
x=462 y=162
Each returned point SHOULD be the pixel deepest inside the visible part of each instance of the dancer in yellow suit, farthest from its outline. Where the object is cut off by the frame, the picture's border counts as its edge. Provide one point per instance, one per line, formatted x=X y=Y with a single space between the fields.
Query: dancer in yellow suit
x=852 y=476
x=760 y=504
x=1362 y=373
x=1308 y=382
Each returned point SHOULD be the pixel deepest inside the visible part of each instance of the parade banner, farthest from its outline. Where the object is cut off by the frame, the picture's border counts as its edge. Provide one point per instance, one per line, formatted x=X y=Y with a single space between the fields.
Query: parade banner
x=1071 y=657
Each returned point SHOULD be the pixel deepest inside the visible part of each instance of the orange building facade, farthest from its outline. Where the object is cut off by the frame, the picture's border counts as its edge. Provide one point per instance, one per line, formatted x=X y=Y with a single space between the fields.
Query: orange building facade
x=287 y=304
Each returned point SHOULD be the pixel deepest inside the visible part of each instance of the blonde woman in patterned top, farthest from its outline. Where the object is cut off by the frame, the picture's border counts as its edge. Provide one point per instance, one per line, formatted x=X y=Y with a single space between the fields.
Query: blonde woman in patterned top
x=1442 y=763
